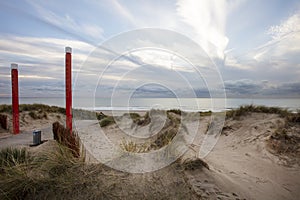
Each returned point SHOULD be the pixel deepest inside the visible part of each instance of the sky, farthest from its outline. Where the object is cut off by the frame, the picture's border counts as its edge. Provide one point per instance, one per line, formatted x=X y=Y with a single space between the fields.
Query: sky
x=248 y=48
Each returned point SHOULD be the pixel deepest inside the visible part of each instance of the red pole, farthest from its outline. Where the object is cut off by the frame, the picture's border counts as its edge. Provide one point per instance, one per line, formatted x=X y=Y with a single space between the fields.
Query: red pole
x=68 y=77
x=15 y=98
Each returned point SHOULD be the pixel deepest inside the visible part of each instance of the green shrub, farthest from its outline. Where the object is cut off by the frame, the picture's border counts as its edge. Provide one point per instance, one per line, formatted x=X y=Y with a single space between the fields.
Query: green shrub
x=176 y=111
x=100 y=116
x=33 y=115
x=134 y=116
x=5 y=108
x=107 y=121
x=143 y=121
x=206 y=113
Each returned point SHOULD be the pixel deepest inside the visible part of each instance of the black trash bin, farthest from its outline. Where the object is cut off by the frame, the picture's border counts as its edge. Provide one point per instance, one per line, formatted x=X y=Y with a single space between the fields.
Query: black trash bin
x=37 y=139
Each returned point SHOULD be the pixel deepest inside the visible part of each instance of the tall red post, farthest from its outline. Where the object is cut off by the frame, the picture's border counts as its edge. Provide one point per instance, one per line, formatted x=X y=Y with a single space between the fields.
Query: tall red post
x=15 y=97
x=68 y=78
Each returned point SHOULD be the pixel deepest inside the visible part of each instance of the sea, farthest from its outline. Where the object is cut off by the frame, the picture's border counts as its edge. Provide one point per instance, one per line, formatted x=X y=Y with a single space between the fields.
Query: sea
x=143 y=104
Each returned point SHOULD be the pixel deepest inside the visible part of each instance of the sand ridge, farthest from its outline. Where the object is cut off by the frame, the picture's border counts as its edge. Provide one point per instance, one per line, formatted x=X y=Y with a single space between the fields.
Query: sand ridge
x=241 y=165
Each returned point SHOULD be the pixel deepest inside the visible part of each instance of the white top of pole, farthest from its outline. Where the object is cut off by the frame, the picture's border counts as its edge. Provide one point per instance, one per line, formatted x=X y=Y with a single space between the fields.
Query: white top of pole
x=14 y=66
x=68 y=50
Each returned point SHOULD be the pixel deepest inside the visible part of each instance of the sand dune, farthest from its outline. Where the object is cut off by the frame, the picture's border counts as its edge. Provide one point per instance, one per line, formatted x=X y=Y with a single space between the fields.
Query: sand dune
x=242 y=165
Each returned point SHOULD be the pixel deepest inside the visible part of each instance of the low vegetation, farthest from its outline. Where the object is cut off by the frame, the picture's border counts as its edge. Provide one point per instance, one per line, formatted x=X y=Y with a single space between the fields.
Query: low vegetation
x=64 y=137
x=286 y=139
x=108 y=120
x=38 y=115
x=134 y=147
x=143 y=121
x=57 y=174
x=33 y=107
x=100 y=116
x=193 y=164
x=12 y=156
x=176 y=111
x=205 y=113
x=165 y=136
x=43 y=176
x=244 y=110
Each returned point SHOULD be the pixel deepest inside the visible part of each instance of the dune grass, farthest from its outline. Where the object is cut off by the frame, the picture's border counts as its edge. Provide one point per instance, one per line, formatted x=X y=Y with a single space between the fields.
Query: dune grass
x=176 y=111
x=64 y=137
x=108 y=120
x=57 y=174
x=165 y=136
x=134 y=147
x=12 y=156
x=244 y=110
x=193 y=164
x=42 y=176
x=33 y=107
x=286 y=138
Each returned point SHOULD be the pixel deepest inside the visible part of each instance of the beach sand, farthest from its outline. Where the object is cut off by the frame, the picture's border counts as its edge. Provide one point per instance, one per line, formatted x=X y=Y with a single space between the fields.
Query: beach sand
x=242 y=165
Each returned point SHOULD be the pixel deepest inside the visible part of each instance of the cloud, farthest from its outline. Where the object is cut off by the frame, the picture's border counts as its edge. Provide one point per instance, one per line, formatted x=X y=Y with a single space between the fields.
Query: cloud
x=284 y=43
x=207 y=19
x=278 y=56
x=242 y=87
x=123 y=11
x=29 y=77
x=291 y=25
x=90 y=32
x=264 y=88
x=40 y=60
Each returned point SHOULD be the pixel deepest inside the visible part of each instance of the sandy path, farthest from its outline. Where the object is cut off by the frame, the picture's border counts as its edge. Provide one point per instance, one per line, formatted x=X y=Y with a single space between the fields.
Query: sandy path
x=240 y=162
x=27 y=126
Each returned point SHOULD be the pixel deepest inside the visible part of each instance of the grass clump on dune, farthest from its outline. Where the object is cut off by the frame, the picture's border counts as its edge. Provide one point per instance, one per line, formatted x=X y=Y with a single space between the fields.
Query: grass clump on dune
x=244 y=110
x=205 y=113
x=12 y=156
x=193 y=164
x=143 y=121
x=176 y=111
x=44 y=176
x=64 y=137
x=134 y=147
x=107 y=121
x=286 y=138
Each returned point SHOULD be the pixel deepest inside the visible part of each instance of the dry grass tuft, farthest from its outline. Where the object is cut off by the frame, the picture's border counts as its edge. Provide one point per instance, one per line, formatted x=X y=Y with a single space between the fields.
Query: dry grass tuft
x=193 y=164
x=285 y=141
x=44 y=176
x=134 y=147
x=141 y=120
x=12 y=157
x=164 y=137
x=64 y=137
